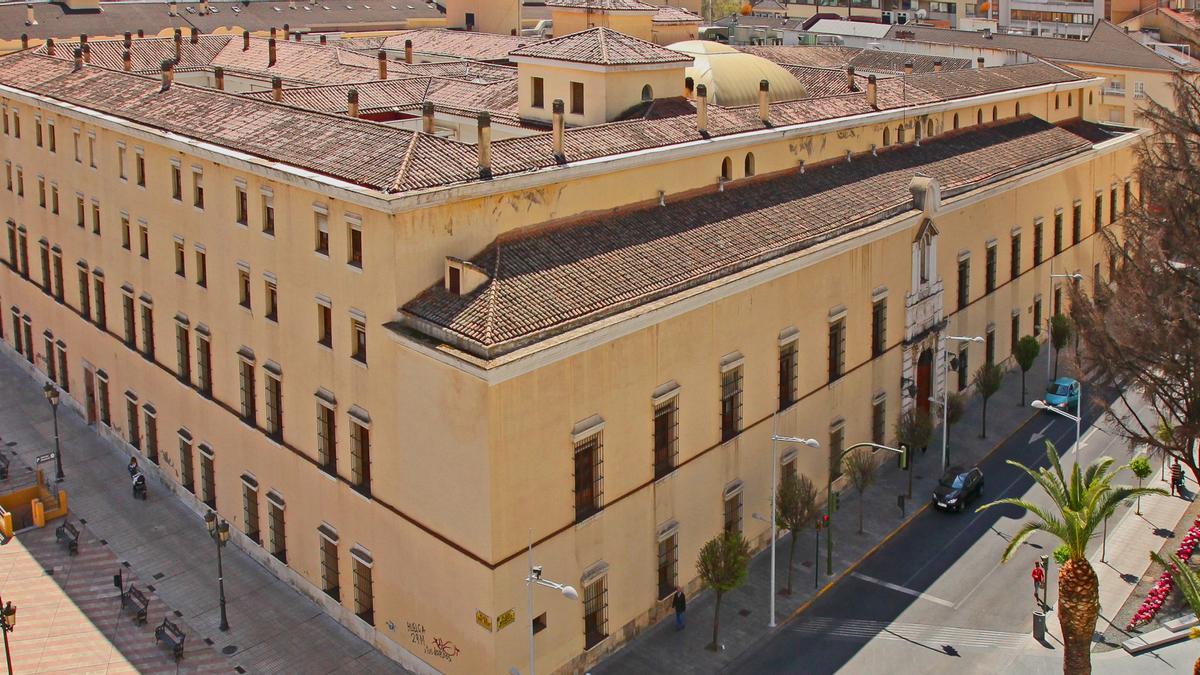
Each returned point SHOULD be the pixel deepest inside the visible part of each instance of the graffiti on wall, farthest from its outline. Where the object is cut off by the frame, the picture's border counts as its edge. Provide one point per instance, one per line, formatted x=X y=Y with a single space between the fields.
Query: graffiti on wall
x=435 y=646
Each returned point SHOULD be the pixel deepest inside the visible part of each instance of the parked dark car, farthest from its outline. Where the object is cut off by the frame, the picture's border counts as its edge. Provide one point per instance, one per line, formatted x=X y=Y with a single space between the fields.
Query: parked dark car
x=957 y=488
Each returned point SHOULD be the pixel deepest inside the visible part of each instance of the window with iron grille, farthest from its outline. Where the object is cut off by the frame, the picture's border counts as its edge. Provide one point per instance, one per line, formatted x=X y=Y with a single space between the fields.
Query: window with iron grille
x=1112 y=205
x=668 y=564
x=588 y=486
x=731 y=403
x=249 y=403
x=837 y=439
x=1037 y=243
x=85 y=293
x=130 y=327
x=183 y=353
x=56 y=263
x=204 y=364
x=360 y=456
x=1128 y=194
x=964 y=370
x=276 y=530
x=1037 y=317
x=186 y=473
x=148 y=331
x=1076 y=223
x=330 y=579
x=326 y=438
x=1098 y=212
x=837 y=349
x=666 y=436
x=51 y=370
x=879 y=420
x=1058 y=232
x=1015 y=256
x=243 y=208
x=879 y=327
x=989 y=277
x=595 y=612
x=964 y=282
x=102 y=401
x=151 y=436
x=364 y=598
x=64 y=377
x=274 y=406
x=131 y=417
x=44 y=246
x=733 y=512
x=358 y=332
x=208 y=480
x=250 y=512
x=789 y=361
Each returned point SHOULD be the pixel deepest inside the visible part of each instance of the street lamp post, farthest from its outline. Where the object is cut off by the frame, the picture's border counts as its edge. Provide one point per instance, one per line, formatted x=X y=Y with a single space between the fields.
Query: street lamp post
x=52 y=395
x=1076 y=277
x=1076 y=418
x=535 y=579
x=810 y=442
x=218 y=529
x=946 y=393
x=8 y=623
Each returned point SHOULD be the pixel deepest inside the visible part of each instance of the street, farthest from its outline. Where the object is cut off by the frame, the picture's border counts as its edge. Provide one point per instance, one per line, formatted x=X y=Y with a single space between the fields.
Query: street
x=936 y=598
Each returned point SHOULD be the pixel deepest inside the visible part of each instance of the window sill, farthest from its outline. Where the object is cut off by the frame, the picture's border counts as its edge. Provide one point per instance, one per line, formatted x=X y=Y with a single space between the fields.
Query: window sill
x=589 y=518
x=324 y=255
x=269 y=235
x=329 y=475
x=362 y=493
x=359 y=363
x=325 y=346
x=666 y=476
x=357 y=269
x=597 y=643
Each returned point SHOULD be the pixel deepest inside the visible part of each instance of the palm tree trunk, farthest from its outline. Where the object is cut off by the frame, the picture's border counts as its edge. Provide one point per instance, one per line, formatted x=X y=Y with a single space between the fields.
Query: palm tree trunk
x=791 y=561
x=1078 y=609
x=716 y=646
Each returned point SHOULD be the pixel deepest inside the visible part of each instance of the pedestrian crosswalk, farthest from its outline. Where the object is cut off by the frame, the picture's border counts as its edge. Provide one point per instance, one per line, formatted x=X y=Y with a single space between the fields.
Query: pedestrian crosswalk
x=936 y=637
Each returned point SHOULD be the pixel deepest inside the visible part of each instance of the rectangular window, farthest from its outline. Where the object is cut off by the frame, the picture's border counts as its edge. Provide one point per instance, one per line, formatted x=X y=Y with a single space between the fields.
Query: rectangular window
x=101 y=302
x=276 y=529
x=20 y=182
x=197 y=188
x=268 y=213
x=183 y=352
x=126 y=233
x=1098 y=212
x=44 y=247
x=208 y=479
x=201 y=268
x=668 y=565
x=354 y=256
x=879 y=327
x=576 y=98
x=964 y=282
x=64 y=378
x=130 y=320
x=274 y=405
x=989 y=276
x=102 y=399
x=176 y=182
x=1014 y=259
x=144 y=239
x=180 y=259
x=538 y=92
x=54 y=199
x=964 y=370
x=1077 y=222
x=587 y=476
x=23 y=245
x=1058 y=301
x=121 y=163
x=51 y=132
x=249 y=403
x=151 y=433
x=1058 y=232
x=57 y=264
x=244 y=288
x=837 y=442
x=148 y=331
x=666 y=436
x=250 y=512
x=330 y=581
x=51 y=370
x=1037 y=242
x=131 y=417
x=1128 y=195
x=1015 y=332
x=360 y=456
x=204 y=364
x=324 y=324
x=16 y=124
x=95 y=217
x=139 y=164
x=731 y=403
x=85 y=293
x=733 y=511
x=1112 y=204
x=326 y=438
x=8 y=175
x=271 y=298
x=1037 y=317
x=358 y=332
x=186 y=471
x=879 y=420
x=837 y=349
x=80 y=211
x=41 y=182
x=37 y=131
x=321 y=229
x=92 y=149
x=595 y=612
x=75 y=138
x=243 y=205
x=789 y=357
x=364 y=597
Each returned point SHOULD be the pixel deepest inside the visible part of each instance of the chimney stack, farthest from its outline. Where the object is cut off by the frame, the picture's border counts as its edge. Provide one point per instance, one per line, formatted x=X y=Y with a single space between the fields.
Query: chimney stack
x=689 y=87
x=427 y=111
x=937 y=66
x=352 y=102
x=168 y=74
x=276 y=89
x=872 y=92
x=173 y=9
x=382 y=64
x=408 y=52
x=485 y=145
x=141 y=33
x=764 y=102
x=979 y=63
x=128 y=40
x=287 y=32
x=82 y=39
x=291 y=4
x=30 y=19
x=78 y=58
x=245 y=40
x=50 y=46
x=702 y=109
x=203 y=7
x=270 y=52
x=127 y=60
x=24 y=41
x=908 y=67
x=850 y=84
x=219 y=76
x=272 y=31
x=87 y=54
x=556 y=135
x=195 y=35
x=178 y=45
x=323 y=39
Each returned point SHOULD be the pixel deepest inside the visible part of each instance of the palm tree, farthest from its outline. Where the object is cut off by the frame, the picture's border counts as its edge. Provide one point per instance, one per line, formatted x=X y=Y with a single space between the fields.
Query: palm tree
x=1188 y=583
x=1080 y=505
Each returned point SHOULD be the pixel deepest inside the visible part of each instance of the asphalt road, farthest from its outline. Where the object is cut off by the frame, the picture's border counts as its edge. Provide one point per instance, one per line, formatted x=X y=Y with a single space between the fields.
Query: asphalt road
x=936 y=599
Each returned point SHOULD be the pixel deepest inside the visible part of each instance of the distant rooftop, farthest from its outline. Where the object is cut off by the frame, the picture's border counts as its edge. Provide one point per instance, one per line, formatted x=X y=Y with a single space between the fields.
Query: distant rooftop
x=604 y=5
x=865 y=60
x=602 y=46
x=457 y=44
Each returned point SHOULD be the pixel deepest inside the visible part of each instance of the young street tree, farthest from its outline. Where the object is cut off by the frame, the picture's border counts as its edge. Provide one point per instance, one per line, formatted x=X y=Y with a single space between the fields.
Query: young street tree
x=722 y=566
x=956 y=405
x=1078 y=505
x=1060 y=334
x=1140 y=466
x=795 y=509
x=1026 y=353
x=860 y=466
x=1139 y=333
x=913 y=430
x=987 y=382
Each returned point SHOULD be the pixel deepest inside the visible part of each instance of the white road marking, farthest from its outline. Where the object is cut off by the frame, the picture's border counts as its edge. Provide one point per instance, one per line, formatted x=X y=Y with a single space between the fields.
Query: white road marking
x=1084 y=441
x=1038 y=435
x=865 y=630
x=902 y=589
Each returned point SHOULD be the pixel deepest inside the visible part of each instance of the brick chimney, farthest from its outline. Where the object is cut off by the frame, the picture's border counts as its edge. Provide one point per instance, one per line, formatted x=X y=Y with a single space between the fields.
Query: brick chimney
x=276 y=89
x=287 y=32
x=203 y=7
x=82 y=39
x=245 y=40
x=128 y=40
x=702 y=109
x=141 y=33
x=50 y=46
x=127 y=60
x=272 y=31
x=872 y=92
x=485 y=145
x=270 y=52
x=408 y=51
x=556 y=133
x=979 y=63
x=323 y=39
x=937 y=66
x=195 y=35
x=427 y=111
x=764 y=102
x=30 y=19
x=382 y=56
x=87 y=54
x=352 y=102
x=78 y=58
x=219 y=76
x=168 y=74
x=24 y=41
x=908 y=68
x=173 y=9
x=689 y=87
x=178 y=45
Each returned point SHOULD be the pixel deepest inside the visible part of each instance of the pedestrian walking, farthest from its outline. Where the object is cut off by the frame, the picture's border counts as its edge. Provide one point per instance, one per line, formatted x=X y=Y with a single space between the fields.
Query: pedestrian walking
x=1176 y=479
x=1039 y=581
x=133 y=467
x=680 y=604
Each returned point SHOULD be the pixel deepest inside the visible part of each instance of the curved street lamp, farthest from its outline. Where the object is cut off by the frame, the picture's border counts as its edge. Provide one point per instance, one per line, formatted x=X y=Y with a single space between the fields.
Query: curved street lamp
x=1042 y=405
x=810 y=442
x=946 y=393
x=52 y=395
x=218 y=529
x=535 y=579
x=8 y=623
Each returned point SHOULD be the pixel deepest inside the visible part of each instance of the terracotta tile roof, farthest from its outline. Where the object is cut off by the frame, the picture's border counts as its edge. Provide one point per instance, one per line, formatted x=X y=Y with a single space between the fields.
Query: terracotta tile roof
x=820 y=56
x=146 y=54
x=864 y=60
x=458 y=44
x=604 y=5
x=601 y=46
x=468 y=70
x=674 y=14
x=820 y=82
x=546 y=283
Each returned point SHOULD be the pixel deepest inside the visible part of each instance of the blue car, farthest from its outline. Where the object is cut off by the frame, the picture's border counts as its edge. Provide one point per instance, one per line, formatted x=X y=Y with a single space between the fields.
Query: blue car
x=1063 y=394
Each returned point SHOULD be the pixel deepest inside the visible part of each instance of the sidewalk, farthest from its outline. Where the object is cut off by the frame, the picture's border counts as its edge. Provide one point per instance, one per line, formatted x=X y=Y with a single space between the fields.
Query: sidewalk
x=744 y=612
x=273 y=628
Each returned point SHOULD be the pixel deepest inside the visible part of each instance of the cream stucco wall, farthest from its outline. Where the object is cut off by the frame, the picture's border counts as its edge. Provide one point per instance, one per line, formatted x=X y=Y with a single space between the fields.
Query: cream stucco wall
x=607 y=93
x=569 y=20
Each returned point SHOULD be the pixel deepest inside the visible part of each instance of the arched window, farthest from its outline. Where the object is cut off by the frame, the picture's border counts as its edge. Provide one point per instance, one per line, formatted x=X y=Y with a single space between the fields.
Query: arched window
x=1018 y=109
x=749 y=164
x=887 y=137
x=727 y=169
x=979 y=116
x=647 y=93
x=955 y=120
x=929 y=129
x=900 y=133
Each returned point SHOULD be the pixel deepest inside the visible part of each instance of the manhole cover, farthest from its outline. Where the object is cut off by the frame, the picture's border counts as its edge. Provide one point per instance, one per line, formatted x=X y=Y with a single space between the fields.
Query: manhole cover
x=159 y=576
x=229 y=650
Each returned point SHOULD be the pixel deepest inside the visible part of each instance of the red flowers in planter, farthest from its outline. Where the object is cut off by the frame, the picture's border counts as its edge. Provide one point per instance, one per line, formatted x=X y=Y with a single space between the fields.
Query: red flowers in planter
x=1165 y=584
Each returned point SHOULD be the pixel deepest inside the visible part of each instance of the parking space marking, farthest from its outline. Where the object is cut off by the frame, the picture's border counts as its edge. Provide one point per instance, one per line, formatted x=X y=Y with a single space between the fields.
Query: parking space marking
x=902 y=589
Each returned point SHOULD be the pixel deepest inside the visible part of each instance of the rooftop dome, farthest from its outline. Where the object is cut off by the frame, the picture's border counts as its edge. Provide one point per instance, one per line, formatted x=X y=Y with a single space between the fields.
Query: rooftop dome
x=731 y=77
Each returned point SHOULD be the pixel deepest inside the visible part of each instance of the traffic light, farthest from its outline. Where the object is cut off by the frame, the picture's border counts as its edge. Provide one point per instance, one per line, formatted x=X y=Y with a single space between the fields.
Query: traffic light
x=904 y=458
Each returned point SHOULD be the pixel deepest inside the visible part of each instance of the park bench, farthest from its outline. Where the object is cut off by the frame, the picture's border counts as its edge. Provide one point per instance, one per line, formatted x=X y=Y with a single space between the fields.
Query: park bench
x=3 y=466
x=169 y=633
x=69 y=535
x=138 y=600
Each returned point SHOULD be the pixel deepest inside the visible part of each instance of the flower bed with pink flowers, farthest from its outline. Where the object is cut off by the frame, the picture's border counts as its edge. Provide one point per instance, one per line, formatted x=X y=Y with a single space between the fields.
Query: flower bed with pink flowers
x=1162 y=588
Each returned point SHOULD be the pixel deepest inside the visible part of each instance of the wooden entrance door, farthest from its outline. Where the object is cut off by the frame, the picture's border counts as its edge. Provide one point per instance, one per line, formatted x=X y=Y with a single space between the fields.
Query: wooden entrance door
x=924 y=379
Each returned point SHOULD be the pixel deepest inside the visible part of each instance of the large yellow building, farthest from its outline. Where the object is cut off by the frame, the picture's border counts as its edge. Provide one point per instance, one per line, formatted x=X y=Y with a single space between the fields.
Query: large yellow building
x=401 y=360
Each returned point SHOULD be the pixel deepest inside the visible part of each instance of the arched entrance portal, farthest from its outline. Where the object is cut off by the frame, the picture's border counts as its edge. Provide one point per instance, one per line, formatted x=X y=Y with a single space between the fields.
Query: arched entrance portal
x=924 y=379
